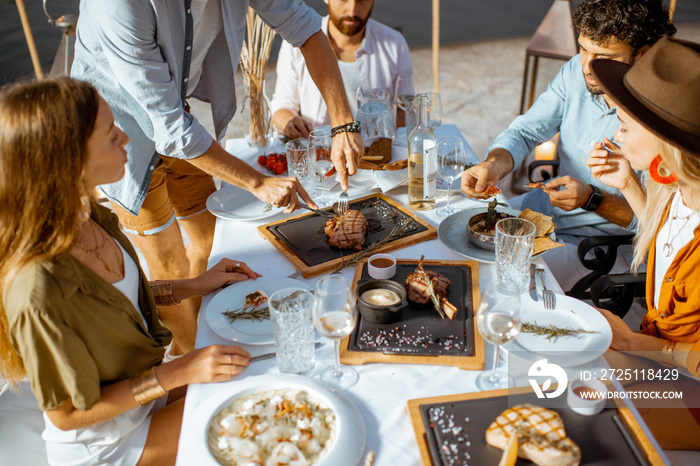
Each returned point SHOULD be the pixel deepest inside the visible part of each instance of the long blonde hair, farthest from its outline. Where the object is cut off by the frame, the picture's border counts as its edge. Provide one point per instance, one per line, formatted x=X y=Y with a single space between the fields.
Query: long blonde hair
x=687 y=167
x=44 y=129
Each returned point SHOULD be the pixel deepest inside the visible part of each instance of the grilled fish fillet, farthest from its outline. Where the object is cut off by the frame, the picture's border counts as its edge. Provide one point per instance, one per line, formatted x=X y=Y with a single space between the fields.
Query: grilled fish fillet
x=540 y=432
x=347 y=231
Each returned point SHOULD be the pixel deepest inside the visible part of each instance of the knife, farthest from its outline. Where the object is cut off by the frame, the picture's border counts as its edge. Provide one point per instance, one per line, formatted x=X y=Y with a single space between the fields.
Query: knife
x=533 y=283
x=262 y=357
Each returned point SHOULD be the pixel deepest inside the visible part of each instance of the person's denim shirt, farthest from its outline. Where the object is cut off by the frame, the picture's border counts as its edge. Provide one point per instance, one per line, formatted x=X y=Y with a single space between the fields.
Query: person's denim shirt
x=137 y=52
x=582 y=119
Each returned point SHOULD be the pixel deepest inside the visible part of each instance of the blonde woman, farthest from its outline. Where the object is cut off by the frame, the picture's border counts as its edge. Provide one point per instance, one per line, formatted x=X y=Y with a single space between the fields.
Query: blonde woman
x=657 y=101
x=78 y=318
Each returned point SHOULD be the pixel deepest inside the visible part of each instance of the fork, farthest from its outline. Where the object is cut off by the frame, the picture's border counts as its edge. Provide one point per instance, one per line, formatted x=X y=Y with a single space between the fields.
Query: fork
x=343 y=203
x=548 y=297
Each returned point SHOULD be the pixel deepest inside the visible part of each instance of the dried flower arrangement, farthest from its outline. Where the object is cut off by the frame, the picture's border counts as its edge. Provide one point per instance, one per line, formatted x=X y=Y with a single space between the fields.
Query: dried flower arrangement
x=254 y=58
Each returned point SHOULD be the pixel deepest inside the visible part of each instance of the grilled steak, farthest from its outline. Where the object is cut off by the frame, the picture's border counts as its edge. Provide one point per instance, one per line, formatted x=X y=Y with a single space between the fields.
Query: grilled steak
x=418 y=290
x=347 y=231
x=540 y=432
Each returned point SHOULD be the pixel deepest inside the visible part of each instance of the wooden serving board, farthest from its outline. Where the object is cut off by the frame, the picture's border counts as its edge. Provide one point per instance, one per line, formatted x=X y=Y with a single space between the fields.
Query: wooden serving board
x=473 y=361
x=477 y=439
x=301 y=239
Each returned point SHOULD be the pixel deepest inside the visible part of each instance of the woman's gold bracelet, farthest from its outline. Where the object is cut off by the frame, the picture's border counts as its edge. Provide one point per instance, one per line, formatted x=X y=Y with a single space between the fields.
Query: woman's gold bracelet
x=163 y=294
x=145 y=387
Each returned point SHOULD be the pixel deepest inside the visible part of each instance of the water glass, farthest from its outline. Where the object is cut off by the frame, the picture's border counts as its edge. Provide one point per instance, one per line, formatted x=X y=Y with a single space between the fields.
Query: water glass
x=292 y=319
x=451 y=160
x=375 y=122
x=498 y=319
x=514 y=240
x=377 y=101
x=320 y=143
x=297 y=151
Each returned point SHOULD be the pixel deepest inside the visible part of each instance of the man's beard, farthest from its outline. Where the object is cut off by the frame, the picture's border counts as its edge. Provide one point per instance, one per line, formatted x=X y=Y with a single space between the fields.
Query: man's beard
x=349 y=29
x=594 y=89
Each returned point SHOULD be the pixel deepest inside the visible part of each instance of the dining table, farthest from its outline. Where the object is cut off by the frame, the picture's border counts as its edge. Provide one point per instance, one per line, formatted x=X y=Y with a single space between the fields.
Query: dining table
x=383 y=390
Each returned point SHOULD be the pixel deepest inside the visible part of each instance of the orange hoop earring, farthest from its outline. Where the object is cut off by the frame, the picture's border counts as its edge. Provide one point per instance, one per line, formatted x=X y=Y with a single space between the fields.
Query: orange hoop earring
x=658 y=177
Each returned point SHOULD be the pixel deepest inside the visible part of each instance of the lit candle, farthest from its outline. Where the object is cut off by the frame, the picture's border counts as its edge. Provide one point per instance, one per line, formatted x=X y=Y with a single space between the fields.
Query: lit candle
x=545 y=151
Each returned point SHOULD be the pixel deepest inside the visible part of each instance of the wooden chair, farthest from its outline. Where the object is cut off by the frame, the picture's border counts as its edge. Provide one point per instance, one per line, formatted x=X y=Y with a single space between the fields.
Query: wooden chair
x=555 y=38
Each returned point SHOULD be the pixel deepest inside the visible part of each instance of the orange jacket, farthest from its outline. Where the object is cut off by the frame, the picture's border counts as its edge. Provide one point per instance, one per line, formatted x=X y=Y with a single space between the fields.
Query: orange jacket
x=677 y=317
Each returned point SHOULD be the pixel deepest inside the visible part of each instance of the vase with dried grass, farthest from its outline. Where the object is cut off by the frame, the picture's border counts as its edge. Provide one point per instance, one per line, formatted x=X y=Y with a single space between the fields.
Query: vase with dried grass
x=254 y=58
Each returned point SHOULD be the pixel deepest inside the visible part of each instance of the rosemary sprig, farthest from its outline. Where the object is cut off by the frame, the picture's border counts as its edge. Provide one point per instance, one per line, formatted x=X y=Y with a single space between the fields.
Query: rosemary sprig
x=552 y=331
x=433 y=295
x=258 y=313
x=369 y=250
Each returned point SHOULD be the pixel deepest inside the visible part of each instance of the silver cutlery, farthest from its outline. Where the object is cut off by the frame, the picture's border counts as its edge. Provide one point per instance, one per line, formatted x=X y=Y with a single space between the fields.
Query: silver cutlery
x=533 y=282
x=262 y=357
x=550 y=301
x=322 y=213
x=343 y=203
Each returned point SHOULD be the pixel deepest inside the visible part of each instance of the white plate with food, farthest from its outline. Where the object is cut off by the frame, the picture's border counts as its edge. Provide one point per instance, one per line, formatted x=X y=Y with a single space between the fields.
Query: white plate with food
x=234 y=203
x=243 y=298
x=319 y=423
x=589 y=333
x=453 y=233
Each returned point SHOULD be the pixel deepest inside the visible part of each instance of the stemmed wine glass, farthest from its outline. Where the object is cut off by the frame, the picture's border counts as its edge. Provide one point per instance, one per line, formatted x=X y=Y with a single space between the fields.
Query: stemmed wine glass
x=320 y=142
x=335 y=315
x=498 y=318
x=451 y=160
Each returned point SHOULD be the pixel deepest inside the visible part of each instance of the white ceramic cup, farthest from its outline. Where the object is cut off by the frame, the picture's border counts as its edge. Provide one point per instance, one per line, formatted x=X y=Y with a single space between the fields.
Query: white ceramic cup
x=378 y=271
x=587 y=406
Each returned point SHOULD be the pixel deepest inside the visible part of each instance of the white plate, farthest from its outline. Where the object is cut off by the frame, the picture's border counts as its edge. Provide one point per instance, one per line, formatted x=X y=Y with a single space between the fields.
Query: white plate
x=252 y=332
x=453 y=233
x=347 y=448
x=234 y=203
x=565 y=351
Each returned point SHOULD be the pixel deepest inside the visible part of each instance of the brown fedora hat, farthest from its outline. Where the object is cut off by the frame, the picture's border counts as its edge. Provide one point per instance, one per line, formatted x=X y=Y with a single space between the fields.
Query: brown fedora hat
x=661 y=91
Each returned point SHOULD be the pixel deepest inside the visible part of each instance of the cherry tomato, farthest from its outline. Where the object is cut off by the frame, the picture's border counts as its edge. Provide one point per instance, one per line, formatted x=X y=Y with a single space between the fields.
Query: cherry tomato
x=262 y=160
x=278 y=168
x=270 y=163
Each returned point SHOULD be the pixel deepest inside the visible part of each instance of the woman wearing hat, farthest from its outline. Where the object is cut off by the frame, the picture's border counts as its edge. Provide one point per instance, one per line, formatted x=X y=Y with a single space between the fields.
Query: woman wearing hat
x=658 y=100
x=78 y=318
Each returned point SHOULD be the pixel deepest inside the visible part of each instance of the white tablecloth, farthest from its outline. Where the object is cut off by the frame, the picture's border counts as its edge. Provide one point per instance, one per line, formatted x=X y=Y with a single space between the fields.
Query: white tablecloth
x=383 y=389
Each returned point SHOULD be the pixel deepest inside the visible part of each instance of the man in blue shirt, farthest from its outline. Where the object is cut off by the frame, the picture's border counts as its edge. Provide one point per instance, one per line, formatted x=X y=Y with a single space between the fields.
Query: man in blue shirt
x=146 y=57
x=576 y=107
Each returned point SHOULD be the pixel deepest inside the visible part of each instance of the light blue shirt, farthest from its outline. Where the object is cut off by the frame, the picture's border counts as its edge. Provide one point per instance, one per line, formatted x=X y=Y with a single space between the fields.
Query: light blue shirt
x=137 y=54
x=582 y=118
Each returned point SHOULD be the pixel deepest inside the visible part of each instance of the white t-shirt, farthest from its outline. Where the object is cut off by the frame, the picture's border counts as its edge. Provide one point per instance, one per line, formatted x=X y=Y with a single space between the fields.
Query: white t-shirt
x=207 y=23
x=681 y=232
x=118 y=441
x=350 y=73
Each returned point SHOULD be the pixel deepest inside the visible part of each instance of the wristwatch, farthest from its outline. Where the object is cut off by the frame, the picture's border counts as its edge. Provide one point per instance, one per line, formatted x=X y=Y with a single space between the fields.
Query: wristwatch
x=594 y=201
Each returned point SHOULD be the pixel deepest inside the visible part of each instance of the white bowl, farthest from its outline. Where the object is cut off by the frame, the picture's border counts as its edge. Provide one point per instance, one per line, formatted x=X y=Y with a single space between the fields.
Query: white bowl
x=587 y=406
x=381 y=273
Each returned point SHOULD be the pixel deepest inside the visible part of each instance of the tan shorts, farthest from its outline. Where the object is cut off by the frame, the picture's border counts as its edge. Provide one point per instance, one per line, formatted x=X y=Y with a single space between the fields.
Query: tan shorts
x=178 y=189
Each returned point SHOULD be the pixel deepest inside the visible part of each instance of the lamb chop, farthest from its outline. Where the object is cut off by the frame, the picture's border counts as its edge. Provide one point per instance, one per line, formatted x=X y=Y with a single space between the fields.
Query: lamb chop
x=347 y=231
x=419 y=291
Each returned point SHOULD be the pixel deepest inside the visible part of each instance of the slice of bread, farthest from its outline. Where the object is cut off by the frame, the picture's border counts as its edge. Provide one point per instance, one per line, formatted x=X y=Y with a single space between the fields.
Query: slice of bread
x=379 y=152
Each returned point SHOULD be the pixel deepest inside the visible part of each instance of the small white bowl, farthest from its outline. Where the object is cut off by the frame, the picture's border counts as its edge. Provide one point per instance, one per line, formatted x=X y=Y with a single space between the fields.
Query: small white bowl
x=586 y=406
x=381 y=271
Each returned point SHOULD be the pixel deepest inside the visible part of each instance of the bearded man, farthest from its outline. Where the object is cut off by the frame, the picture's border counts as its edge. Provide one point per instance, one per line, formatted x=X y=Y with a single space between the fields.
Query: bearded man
x=370 y=55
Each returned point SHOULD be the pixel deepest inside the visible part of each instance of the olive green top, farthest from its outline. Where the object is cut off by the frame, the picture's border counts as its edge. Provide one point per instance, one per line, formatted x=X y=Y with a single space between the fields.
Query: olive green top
x=76 y=332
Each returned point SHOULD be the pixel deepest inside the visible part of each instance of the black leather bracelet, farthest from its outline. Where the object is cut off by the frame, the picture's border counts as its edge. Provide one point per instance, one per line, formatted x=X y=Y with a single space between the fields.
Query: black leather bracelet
x=352 y=127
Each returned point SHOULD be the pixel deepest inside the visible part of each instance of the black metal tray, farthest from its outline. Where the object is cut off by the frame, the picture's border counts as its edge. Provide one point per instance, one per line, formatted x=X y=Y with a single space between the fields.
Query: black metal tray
x=601 y=440
x=421 y=331
x=305 y=237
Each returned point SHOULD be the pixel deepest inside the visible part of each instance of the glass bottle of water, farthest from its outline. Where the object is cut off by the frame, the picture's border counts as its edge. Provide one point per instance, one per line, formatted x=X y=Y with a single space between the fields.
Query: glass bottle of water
x=422 y=160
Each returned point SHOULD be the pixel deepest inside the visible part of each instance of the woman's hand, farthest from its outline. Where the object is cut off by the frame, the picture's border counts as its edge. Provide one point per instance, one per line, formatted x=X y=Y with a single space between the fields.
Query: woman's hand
x=622 y=333
x=215 y=363
x=609 y=166
x=225 y=272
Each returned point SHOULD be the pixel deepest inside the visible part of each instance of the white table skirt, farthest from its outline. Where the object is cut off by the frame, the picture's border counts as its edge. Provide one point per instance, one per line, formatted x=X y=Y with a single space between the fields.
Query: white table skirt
x=383 y=389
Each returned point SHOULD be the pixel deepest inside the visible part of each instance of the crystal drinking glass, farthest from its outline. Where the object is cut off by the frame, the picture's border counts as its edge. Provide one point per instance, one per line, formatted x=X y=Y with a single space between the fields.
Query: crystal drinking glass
x=451 y=160
x=335 y=315
x=320 y=142
x=498 y=319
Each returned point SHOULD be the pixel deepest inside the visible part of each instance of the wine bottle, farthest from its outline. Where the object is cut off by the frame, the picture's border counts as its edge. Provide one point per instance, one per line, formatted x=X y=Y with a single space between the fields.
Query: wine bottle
x=422 y=160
